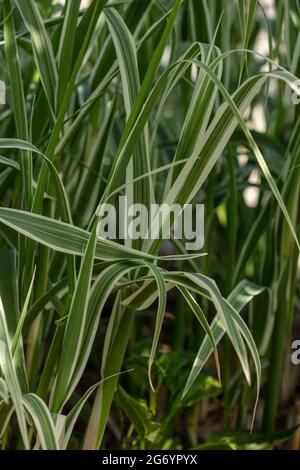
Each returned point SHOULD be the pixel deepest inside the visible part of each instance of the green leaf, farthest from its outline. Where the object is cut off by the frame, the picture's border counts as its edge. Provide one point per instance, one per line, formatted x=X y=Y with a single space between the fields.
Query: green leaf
x=74 y=332
x=42 y=48
x=9 y=162
x=18 y=99
x=4 y=394
x=127 y=59
x=64 y=237
x=22 y=318
x=100 y=291
x=10 y=300
x=244 y=292
x=138 y=414
x=65 y=52
x=42 y=419
x=10 y=376
x=244 y=441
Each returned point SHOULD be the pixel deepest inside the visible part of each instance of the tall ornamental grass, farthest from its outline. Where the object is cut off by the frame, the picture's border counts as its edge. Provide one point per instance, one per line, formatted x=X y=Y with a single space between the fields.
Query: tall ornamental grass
x=113 y=344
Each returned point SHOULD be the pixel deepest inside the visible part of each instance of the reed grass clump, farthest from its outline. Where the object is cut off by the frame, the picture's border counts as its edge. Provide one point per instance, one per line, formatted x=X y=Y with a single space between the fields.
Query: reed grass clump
x=109 y=343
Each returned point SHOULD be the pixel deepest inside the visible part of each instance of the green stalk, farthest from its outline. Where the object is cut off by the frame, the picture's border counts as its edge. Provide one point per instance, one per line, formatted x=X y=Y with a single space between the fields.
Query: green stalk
x=50 y=152
x=103 y=401
x=232 y=231
x=18 y=100
x=35 y=337
x=20 y=116
x=51 y=362
x=274 y=382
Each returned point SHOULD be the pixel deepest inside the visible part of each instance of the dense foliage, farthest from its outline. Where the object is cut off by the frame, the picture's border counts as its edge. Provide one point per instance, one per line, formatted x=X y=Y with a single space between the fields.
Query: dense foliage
x=142 y=344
